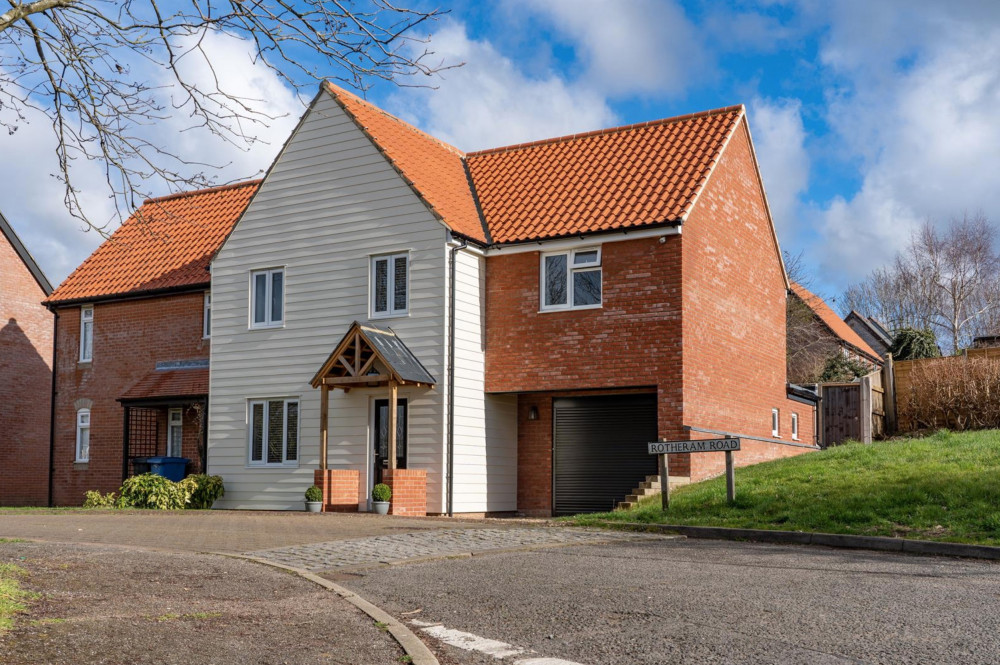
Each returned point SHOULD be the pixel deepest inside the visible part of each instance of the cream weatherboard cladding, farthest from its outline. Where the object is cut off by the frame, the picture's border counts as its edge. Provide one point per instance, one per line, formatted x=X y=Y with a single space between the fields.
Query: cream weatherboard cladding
x=328 y=205
x=330 y=202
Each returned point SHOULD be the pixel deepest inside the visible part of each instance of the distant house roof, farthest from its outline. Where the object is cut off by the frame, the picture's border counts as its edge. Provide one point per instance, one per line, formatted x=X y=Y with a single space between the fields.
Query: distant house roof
x=613 y=179
x=834 y=323
x=166 y=244
x=877 y=329
x=29 y=262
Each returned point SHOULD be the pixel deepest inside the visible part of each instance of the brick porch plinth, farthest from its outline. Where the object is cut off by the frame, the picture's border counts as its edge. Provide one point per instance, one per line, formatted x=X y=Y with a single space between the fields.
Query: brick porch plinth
x=409 y=491
x=340 y=489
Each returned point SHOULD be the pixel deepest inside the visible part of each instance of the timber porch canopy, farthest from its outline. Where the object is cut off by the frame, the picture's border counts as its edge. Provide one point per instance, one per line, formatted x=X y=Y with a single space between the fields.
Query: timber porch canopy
x=368 y=357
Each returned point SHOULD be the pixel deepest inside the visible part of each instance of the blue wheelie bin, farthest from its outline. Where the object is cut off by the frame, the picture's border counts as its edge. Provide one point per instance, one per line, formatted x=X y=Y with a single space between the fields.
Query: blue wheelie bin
x=171 y=468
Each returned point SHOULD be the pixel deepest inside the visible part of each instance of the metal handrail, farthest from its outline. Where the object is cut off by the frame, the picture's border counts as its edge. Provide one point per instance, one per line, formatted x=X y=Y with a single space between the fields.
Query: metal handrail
x=689 y=428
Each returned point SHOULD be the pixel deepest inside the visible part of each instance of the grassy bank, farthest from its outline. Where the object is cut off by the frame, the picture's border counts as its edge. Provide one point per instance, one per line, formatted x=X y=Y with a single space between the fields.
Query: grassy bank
x=942 y=487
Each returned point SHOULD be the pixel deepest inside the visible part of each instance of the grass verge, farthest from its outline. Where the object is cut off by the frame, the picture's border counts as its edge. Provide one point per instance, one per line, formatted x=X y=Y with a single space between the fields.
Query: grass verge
x=12 y=596
x=942 y=487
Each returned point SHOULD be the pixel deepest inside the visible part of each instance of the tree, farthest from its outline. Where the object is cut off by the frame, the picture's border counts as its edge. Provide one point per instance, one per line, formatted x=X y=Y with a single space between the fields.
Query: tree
x=840 y=368
x=944 y=281
x=910 y=344
x=85 y=65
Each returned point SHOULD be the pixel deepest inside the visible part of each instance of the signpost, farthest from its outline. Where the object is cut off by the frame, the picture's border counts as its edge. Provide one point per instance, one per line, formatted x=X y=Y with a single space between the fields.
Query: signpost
x=665 y=448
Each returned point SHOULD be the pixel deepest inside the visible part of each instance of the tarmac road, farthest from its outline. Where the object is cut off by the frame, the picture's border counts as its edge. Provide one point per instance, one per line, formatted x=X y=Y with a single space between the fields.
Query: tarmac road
x=689 y=601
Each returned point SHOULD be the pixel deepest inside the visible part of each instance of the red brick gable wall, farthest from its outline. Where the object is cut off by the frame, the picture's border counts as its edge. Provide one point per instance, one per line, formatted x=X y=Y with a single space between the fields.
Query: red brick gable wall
x=26 y=385
x=734 y=315
x=129 y=338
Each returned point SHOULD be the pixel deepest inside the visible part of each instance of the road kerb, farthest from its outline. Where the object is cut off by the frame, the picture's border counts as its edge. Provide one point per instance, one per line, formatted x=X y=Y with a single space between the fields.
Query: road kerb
x=839 y=540
x=412 y=645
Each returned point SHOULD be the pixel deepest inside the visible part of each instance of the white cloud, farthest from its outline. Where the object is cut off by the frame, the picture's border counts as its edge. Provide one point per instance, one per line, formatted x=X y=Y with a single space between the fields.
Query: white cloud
x=647 y=47
x=490 y=101
x=32 y=199
x=779 y=138
x=921 y=119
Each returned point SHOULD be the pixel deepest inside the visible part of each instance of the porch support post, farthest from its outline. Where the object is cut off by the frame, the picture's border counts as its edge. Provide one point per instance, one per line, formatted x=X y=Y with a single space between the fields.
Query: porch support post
x=392 y=423
x=125 y=442
x=324 y=413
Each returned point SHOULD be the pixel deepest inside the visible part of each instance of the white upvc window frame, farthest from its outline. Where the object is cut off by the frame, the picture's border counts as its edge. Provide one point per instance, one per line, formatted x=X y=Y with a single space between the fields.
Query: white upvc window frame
x=82 y=425
x=265 y=402
x=391 y=310
x=776 y=423
x=171 y=426
x=87 y=340
x=572 y=267
x=795 y=427
x=269 y=321
x=206 y=316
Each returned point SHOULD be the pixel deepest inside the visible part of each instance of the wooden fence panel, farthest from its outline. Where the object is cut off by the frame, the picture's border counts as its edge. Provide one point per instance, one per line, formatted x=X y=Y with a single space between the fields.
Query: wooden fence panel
x=841 y=413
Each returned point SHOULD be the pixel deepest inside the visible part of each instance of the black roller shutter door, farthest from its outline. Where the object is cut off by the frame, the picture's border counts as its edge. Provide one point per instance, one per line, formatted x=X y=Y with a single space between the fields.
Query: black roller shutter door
x=600 y=450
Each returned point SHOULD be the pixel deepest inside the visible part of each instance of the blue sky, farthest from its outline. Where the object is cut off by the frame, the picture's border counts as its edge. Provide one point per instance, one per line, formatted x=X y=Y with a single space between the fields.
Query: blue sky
x=868 y=117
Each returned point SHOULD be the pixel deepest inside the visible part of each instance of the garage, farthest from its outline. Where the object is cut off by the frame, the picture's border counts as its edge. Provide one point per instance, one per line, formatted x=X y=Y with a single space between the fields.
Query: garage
x=600 y=453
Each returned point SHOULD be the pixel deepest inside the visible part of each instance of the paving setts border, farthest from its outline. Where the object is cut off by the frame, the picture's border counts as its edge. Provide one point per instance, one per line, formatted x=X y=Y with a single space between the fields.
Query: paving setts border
x=431 y=544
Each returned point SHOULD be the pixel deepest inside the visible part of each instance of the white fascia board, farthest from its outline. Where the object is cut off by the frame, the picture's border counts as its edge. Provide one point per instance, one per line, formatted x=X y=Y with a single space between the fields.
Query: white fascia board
x=581 y=241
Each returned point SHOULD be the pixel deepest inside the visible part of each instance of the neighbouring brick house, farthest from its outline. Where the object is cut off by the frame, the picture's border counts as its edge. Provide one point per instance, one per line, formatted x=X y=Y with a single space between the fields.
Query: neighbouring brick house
x=133 y=342
x=815 y=333
x=502 y=330
x=26 y=372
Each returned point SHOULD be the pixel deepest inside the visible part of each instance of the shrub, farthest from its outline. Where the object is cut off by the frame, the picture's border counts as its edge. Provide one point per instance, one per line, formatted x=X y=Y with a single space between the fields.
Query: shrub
x=314 y=493
x=207 y=490
x=149 y=490
x=958 y=393
x=94 y=499
x=839 y=367
x=381 y=492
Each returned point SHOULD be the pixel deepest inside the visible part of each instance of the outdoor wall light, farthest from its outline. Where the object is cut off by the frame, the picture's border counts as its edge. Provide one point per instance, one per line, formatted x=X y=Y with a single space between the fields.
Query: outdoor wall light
x=533 y=413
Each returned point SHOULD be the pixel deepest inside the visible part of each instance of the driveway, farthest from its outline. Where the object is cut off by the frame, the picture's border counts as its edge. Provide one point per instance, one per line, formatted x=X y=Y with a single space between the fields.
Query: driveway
x=688 y=601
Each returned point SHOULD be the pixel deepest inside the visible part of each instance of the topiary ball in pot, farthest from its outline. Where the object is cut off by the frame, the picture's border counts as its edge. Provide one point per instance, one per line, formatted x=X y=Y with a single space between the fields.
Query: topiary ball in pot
x=314 y=499
x=381 y=494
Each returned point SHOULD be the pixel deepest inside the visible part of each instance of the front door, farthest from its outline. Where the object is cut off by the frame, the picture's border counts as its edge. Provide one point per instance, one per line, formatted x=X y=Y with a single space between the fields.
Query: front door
x=381 y=430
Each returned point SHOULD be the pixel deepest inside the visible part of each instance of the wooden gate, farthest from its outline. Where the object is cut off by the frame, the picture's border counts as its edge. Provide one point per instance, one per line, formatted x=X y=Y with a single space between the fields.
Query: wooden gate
x=841 y=413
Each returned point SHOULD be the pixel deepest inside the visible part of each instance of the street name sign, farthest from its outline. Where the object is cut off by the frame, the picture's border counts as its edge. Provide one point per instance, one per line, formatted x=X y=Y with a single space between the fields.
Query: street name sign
x=702 y=446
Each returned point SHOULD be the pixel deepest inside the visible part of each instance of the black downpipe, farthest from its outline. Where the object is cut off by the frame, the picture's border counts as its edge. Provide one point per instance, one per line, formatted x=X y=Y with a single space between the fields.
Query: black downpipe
x=52 y=402
x=451 y=378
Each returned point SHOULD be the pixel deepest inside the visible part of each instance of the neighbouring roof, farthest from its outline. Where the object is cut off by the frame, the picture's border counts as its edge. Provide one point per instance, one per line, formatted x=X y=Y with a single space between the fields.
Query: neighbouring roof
x=834 y=323
x=166 y=244
x=29 y=262
x=162 y=384
x=802 y=393
x=387 y=347
x=611 y=179
x=876 y=328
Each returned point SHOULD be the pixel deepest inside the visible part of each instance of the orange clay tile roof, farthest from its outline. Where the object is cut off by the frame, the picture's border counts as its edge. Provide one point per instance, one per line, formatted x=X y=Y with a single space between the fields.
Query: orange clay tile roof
x=169 y=383
x=607 y=180
x=611 y=179
x=833 y=322
x=167 y=243
x=435 y=169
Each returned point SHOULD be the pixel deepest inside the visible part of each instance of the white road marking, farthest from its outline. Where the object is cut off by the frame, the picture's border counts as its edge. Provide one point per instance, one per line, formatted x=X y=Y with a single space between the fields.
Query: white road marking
x=495 y=648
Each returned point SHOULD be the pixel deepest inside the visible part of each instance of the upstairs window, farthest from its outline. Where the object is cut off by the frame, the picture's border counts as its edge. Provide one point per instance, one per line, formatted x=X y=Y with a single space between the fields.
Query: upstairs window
x=86 y=334
x=83 y=435
x=206 y=316
x=267 y=298
x=571 y=280
x=274 y=432
x=390 y=278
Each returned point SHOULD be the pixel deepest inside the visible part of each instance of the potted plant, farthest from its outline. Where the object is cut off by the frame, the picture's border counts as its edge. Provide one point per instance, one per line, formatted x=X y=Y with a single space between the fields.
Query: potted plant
x=314 y=499
x=381 y=494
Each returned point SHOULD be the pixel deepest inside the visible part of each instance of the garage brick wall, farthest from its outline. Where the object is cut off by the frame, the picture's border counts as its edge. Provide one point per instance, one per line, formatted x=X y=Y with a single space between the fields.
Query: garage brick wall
x=734 y=316
x=26 y=329
x=129 y=338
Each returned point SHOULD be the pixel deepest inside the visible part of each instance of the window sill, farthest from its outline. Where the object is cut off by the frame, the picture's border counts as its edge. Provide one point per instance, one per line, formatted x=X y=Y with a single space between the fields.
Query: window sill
x=394 y=315
x=582 y=308
x=84 y=363
x=79 y=465
x=272 y=467
x=270 y=326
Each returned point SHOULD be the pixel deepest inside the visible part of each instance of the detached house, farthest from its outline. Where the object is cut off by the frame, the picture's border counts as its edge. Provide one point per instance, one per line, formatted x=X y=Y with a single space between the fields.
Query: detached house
x=495 y=331
x=133 y=341
x=26 y=373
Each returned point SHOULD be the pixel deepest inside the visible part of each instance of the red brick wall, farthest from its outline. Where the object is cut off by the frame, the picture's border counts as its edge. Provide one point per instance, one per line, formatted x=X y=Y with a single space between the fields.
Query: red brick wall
x=340 y=489
x=129 y=338
x=25 y=383
x=409 y=491
x=734 y=327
